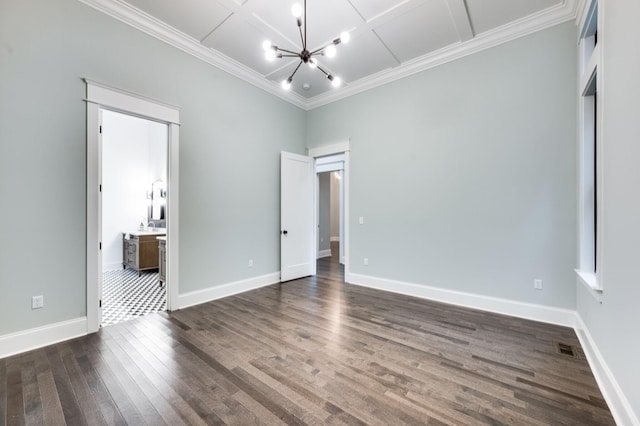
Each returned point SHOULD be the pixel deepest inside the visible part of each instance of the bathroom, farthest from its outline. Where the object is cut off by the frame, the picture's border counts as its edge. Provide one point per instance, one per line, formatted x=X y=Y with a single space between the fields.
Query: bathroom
x=134 y=177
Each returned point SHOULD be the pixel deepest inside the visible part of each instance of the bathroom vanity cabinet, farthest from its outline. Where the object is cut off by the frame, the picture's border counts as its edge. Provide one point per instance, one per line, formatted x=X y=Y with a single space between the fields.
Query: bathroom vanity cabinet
x=140 y=250
x=162 y=259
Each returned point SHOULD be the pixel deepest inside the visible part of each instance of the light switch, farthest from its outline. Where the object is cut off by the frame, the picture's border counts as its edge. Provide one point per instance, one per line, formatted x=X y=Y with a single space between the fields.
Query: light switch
x=361 y=220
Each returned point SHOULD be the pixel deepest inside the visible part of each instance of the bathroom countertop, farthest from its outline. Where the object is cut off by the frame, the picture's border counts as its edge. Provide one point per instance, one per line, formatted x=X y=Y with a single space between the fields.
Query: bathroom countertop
x=158 y=232
x=163 y=238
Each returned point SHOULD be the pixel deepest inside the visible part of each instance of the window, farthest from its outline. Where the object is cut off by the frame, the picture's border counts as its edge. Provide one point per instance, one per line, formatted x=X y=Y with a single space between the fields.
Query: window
x=589 y=148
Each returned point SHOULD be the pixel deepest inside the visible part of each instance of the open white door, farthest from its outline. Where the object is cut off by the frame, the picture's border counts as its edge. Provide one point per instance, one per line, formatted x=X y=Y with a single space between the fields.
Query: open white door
x=100 y=266
x=297 y=254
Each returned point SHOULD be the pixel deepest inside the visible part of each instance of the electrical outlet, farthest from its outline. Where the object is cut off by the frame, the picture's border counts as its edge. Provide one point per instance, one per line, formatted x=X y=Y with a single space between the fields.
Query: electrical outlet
x=37 y=302
x=537 y=284
x=250 y=263
x=366 y=261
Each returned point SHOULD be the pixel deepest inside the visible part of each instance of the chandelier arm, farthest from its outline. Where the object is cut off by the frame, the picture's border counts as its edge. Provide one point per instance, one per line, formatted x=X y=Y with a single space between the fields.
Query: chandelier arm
x=297 y=55
x=326 y=74
x=304 y=40
x=295 y=71
x=301 y=37
x=315 y=52
x=288 y=51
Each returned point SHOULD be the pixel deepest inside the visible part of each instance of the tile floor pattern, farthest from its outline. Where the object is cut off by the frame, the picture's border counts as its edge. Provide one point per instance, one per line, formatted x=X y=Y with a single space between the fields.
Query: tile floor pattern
x=126 y=296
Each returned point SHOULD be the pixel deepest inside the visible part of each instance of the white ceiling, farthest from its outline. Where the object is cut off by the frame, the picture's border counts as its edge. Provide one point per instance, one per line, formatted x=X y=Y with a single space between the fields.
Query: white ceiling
x=389 y=38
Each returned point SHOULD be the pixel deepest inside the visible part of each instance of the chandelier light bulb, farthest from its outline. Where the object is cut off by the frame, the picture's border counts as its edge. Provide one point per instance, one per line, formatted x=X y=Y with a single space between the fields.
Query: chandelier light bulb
x=330 y=51
x=270 y=54
x=296 y=10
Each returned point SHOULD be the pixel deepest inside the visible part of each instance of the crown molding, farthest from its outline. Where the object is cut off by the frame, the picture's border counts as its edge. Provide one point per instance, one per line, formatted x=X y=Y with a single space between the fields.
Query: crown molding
x=547 y=18
x=122 y=11
x=146 y=23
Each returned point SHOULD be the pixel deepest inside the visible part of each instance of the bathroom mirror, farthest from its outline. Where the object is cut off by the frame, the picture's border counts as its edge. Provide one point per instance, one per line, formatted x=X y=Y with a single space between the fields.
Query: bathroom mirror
x=158 y=204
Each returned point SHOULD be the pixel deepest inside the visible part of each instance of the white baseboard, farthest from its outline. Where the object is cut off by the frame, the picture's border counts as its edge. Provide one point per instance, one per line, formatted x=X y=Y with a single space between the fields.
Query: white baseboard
x=618 y=404
x=218 y=292
x=324 y=253
x=559 y=316
x=26 y=340
x=334 y=239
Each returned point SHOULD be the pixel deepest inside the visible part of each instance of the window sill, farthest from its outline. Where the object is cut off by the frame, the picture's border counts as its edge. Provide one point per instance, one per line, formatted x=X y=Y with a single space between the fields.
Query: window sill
x=590 y=280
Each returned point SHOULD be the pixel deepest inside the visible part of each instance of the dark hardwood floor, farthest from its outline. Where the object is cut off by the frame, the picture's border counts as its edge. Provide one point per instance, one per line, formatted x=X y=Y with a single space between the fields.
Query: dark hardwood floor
x=310 y=351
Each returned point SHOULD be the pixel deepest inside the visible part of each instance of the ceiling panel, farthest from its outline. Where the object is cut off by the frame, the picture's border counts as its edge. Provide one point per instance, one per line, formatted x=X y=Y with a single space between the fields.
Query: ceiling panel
x=370 y=9
x=326 y=19
x=420 y=31
x=246 y=49
x=362 y=56
x=196 y=18
x=386 y=34
x=488 y=14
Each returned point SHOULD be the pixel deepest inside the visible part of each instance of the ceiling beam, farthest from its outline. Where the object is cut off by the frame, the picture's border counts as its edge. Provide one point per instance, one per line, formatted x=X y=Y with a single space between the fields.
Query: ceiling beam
x=461 y=19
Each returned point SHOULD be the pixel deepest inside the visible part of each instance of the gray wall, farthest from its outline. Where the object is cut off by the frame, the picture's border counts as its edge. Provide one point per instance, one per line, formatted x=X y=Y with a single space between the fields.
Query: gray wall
x=614 y=323
x=231 y=137
x=466 y=173
x=324 y=209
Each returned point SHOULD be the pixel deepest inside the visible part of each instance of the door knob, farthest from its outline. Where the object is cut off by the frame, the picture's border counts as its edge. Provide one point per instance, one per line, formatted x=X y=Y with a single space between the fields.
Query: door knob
x=285 y=232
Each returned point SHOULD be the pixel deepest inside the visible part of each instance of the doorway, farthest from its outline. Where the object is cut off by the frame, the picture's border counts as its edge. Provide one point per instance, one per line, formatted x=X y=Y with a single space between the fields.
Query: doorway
x=330 y=206
x=134 y=175
x=102 y=97
x=299 y=208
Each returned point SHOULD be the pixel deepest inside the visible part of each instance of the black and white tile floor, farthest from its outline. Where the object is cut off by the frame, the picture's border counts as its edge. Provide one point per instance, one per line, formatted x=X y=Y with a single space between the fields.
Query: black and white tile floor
x=126 y=296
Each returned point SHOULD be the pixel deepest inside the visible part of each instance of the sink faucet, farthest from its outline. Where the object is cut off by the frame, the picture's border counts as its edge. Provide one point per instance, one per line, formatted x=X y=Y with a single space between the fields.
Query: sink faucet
x=151 y=224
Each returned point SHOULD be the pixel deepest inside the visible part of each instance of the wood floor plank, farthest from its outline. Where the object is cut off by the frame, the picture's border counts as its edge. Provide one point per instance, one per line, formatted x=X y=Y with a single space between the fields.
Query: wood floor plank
x=15 y=401
x=309 y=351
x=3 y=391
x=68 y=401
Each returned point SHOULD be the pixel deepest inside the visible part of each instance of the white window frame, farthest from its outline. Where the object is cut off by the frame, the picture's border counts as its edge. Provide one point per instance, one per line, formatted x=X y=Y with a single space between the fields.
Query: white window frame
x=590 y=144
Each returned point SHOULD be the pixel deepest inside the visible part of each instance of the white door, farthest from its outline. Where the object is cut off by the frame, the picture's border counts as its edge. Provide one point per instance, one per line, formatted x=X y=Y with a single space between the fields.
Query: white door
x=100 y=266
x=297 y=255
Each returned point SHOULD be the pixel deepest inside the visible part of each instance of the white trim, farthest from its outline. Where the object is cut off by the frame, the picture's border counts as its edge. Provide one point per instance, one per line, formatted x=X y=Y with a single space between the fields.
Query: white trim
x=34 y=338
x=324 y=253
x=618 y=404
x=102 y=96
x=120 y=100
x=541 y=313
x=565 y=11
x=590 y=281
x=173 y=217
x=329 y=149
x=225 y=290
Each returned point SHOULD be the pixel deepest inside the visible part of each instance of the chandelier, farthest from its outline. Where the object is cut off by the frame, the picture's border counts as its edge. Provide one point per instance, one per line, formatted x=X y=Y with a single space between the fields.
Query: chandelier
x=272 y=52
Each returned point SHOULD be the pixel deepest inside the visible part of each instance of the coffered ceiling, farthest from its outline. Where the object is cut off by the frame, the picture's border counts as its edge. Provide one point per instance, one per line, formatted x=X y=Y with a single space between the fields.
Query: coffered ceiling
x=389 y=38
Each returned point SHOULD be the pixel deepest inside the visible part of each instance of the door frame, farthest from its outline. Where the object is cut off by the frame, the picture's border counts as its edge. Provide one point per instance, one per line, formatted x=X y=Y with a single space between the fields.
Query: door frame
x=333 y=149
x=328 y=167
x=100 y=96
